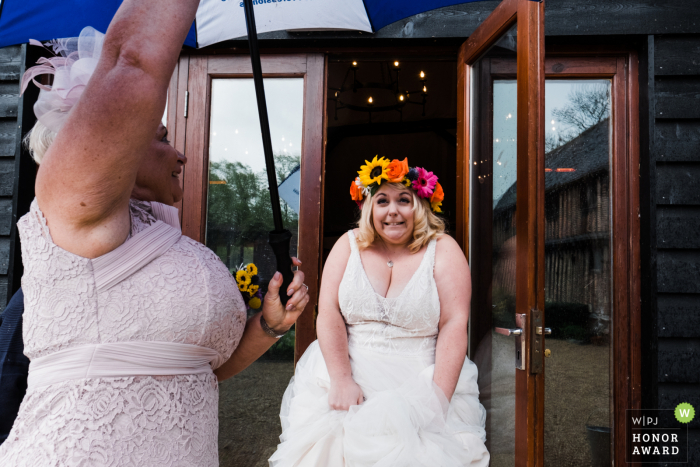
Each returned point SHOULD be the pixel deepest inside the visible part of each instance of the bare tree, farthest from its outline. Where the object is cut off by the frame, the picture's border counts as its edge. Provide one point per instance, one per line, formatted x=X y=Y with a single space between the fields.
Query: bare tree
x=588 y=105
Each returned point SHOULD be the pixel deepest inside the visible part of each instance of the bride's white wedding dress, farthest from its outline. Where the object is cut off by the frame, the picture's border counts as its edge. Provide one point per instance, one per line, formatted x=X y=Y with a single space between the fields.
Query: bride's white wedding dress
x=406 y=419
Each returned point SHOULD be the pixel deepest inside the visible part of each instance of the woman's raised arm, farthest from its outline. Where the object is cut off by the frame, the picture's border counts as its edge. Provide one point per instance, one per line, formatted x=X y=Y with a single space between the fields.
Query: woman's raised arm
x=86 y=176
x=454 y=286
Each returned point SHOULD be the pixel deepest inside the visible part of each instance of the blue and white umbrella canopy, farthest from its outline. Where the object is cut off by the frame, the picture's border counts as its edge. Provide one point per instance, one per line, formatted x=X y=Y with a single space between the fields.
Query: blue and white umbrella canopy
x=217 y=20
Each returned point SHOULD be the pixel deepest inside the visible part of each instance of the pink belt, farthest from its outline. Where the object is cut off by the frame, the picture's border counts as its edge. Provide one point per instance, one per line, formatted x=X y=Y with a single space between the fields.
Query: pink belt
x=122 y=359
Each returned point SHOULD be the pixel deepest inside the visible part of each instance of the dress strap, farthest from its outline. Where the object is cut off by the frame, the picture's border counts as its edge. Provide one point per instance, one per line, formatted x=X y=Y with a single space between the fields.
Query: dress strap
x=353 y=242
x=430 y=253
x=168 y=214
x=147 y=245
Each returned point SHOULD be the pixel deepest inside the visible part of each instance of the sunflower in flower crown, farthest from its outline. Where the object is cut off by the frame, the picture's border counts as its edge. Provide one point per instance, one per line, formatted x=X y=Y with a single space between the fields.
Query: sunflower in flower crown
x=249 y=284
x=372 y=174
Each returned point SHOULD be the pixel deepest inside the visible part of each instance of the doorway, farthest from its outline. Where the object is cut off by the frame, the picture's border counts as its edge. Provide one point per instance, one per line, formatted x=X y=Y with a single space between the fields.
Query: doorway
x=412 y=113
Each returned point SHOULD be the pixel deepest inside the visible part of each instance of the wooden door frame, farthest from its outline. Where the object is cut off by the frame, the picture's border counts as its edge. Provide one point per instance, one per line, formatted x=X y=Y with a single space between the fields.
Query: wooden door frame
x=529 y=17
x=189 y=119
x=622 y=69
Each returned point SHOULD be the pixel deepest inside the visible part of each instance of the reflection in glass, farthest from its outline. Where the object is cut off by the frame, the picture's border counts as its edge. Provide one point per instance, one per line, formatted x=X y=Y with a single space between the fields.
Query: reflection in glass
x=239 y=219
x=492 y=256
x=578 y=261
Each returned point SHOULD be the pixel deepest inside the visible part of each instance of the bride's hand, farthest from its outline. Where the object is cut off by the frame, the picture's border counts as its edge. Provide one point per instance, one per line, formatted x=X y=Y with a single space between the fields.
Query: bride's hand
x=277 y=316
x=344 y=394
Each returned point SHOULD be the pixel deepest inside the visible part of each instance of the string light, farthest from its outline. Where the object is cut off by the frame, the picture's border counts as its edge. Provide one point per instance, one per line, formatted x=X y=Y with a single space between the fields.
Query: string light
x=401 y=97
x=422 y=75
x=396 y=63
x=354 y=63
x=425 y=88
x=370 y=100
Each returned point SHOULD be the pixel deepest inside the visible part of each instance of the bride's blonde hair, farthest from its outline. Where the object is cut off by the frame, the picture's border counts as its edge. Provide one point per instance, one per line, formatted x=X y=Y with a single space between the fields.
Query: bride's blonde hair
x=426 y=225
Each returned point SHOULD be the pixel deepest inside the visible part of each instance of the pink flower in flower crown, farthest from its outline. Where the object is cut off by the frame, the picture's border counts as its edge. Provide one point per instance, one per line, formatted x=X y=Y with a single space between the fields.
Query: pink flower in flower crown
x=425 y=184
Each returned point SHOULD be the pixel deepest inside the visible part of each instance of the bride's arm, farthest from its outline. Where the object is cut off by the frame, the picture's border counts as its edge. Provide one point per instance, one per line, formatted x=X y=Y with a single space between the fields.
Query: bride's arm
x=332 y=335
x=454 y=288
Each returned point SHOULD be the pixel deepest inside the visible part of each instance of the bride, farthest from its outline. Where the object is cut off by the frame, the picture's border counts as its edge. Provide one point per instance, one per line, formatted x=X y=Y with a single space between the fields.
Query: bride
x=387 y=382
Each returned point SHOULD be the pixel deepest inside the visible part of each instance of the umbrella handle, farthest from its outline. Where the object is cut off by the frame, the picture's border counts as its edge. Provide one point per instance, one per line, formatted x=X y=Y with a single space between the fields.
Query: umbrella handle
x=279 y=242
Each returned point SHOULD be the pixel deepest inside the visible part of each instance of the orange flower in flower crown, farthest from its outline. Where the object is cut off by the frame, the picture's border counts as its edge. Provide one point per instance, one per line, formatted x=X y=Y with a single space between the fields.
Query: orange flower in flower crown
x=397 y=170
x=437 y=197
x=355 y=192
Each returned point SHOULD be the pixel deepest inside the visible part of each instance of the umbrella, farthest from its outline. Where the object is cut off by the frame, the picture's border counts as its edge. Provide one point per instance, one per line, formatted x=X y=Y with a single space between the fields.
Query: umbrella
x=216 y=21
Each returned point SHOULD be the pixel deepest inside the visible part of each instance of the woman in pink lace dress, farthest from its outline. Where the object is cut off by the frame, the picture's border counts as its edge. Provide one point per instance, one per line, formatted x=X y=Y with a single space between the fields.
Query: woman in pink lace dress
x=128 y=323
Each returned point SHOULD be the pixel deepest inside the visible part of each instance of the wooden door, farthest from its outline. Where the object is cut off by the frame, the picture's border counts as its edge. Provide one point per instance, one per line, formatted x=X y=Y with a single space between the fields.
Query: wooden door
x=512 y=245
x=207 y=93
x=213 y=120
x=553 y=240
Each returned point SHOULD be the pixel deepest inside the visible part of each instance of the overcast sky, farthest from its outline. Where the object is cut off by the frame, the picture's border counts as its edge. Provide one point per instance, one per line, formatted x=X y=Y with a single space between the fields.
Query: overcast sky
x=235 y=126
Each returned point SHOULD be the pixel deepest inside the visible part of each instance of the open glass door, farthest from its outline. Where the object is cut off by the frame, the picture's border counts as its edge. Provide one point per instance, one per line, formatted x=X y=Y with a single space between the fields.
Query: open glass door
x=500 y=203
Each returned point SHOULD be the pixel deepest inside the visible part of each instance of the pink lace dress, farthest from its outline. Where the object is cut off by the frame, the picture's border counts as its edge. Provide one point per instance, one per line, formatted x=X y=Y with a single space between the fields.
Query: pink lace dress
x=183 y=294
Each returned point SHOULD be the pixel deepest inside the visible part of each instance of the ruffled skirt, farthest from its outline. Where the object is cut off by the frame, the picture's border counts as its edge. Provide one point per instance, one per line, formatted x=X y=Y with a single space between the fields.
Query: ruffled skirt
x=405 y=421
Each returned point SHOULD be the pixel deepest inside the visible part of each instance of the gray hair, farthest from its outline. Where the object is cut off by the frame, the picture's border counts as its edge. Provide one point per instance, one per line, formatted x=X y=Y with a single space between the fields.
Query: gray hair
x=38 y=141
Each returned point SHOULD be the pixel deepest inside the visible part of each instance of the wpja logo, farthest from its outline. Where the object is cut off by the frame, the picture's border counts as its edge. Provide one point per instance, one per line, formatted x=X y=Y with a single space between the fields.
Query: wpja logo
x=659 y=435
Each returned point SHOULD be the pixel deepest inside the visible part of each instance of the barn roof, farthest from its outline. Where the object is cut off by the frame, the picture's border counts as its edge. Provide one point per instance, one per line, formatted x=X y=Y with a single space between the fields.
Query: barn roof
x=588 y=153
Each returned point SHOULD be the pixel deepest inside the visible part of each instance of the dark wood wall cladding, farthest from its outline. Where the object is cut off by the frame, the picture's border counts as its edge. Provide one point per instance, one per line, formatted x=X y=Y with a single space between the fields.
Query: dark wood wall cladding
x=675 y=148
x=10 y=68
x=562 y=18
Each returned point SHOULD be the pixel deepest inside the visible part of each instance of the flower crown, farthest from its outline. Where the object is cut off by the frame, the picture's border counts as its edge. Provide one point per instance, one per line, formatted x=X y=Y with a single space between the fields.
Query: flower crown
x=249 y=285
x=424 y=183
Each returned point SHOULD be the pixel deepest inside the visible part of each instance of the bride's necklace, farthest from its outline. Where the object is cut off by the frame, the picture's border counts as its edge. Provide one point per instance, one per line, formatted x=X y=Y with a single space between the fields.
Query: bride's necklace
x=389 y=262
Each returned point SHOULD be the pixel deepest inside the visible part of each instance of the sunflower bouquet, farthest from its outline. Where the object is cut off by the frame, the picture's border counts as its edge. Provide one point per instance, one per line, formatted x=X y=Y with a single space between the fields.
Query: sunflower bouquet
x=372 y=174
x=249 y=284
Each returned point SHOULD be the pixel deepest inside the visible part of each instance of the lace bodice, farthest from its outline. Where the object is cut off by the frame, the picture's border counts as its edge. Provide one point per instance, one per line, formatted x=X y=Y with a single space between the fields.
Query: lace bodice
x=185 y=295
x=406 y=324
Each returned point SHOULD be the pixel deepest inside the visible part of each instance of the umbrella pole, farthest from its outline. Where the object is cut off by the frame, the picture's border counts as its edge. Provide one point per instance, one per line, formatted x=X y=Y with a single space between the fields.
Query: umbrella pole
x=280 y=237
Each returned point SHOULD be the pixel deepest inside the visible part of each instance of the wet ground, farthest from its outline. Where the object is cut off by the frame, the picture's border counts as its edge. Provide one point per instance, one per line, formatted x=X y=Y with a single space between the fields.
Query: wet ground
x=577 y=394
x=249 y=407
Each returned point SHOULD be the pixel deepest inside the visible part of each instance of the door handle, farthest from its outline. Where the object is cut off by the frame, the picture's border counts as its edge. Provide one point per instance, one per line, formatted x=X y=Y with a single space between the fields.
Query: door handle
x=509 y=332
x=519 y=334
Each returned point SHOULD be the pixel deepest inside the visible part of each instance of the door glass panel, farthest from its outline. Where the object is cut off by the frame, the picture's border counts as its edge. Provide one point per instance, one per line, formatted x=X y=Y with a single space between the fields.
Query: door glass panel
x=239 y=219
x=492 y=239
x=578 y=282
